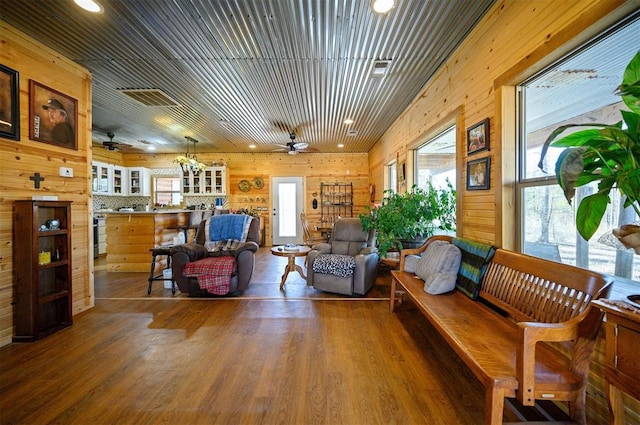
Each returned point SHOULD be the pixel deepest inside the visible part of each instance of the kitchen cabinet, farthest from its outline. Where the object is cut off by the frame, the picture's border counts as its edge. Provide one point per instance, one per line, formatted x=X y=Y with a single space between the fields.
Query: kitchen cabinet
x=42 y=259
x=211 y=181
x=139 y=181
x=101 y=178
x=119 y=181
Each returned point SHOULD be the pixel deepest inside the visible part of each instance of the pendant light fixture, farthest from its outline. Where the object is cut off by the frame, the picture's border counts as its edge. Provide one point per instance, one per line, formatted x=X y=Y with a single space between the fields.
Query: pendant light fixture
x=189 y=162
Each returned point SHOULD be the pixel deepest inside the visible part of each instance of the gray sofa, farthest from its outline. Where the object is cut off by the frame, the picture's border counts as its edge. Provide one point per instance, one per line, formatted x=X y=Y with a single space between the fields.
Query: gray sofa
x=348 y=238
x=242 y=270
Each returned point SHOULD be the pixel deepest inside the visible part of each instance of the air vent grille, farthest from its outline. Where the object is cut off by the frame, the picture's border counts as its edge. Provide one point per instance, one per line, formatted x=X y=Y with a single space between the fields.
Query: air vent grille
x=380 y=68
x=150 y=97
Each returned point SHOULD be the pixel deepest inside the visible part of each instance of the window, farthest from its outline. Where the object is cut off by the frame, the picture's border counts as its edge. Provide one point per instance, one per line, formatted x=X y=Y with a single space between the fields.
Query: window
x=166 y=191
x=392 y=176
x=435 y=161
x=579 y=89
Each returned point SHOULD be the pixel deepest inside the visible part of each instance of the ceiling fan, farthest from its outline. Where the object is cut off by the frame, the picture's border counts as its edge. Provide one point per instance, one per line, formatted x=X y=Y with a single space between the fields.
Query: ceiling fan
x=294 y=147
x=114 y=146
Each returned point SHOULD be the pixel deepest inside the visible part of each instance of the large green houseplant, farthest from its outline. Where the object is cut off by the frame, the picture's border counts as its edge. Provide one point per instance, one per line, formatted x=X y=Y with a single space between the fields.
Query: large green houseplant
x=605 y=153
x=413 y=215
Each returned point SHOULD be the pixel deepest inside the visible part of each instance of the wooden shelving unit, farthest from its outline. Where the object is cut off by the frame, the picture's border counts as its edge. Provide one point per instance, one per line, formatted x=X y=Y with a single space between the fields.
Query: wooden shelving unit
x=42 y=261
x=336 y=201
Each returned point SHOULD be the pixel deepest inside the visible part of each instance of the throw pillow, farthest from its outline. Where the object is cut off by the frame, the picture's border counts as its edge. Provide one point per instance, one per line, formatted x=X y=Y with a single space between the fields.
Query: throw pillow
x=438 y=267
x=411 y=263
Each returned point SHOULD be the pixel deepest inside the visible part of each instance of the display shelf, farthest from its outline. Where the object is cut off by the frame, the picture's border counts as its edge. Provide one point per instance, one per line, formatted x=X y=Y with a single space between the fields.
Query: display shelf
x=42 y=252
x=336 y=201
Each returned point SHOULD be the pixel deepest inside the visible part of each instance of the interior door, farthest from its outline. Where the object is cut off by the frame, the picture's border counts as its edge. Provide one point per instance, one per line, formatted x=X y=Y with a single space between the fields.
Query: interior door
x=287 y=198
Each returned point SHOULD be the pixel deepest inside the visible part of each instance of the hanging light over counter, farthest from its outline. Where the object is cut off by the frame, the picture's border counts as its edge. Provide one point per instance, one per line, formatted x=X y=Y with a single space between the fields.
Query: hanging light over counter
x=189 y=162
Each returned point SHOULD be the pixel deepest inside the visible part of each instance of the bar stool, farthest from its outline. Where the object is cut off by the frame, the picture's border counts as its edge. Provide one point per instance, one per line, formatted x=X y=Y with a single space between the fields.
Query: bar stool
x=161 y=250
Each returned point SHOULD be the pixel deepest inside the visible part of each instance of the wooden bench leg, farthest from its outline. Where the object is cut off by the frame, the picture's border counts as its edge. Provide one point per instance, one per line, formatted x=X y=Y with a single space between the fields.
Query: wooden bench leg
x=392 y=296
x=493 y=406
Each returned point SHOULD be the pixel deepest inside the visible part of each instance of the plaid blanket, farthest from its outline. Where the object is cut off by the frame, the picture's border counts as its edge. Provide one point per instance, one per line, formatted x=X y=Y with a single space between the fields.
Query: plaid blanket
x=213 y=273
x=475 y=260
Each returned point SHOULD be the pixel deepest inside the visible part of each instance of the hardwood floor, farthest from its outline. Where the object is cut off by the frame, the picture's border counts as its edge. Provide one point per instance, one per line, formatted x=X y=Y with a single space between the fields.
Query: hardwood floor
x=270 y=357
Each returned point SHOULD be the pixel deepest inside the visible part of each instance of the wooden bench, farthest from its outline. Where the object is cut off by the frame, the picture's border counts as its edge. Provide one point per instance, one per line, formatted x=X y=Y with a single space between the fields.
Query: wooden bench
x=523 y=300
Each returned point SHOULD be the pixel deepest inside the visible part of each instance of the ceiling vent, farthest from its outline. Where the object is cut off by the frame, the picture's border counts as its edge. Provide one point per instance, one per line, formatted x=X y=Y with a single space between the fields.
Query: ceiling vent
x=150 y=97
x=352 y=133
x=380 y=68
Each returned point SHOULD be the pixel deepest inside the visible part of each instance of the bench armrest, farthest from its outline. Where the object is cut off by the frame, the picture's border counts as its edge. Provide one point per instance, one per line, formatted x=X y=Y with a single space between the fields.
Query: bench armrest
x=532 y=333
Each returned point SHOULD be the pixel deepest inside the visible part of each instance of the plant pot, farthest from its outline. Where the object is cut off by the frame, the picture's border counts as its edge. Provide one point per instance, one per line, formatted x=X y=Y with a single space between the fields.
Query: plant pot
x=629 y=236
x=412 y=243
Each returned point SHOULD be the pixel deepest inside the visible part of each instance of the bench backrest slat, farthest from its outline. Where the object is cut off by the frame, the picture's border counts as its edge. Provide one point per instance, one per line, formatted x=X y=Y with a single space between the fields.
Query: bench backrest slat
x=548 y=292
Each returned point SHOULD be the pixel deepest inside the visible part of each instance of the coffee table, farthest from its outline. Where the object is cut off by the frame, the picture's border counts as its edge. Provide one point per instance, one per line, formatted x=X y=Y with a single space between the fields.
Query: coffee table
x=291 y=266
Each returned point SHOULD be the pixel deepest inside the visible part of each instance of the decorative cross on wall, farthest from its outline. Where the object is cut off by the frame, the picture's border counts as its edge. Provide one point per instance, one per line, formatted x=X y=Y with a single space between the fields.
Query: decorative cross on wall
x=36 y=180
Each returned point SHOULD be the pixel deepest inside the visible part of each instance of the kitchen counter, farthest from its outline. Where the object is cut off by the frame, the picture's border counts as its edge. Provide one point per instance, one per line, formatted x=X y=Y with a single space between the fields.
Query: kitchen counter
x=130 y=236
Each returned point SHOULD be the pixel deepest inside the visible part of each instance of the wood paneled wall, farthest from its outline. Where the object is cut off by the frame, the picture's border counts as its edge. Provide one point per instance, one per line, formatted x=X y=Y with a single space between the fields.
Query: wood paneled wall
x=313 y=167
x=21 y=159
x=513 y=41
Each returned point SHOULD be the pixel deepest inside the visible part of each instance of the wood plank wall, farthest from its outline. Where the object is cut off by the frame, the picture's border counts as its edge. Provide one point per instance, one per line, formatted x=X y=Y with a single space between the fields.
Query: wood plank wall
x=21 y=159
x=513 y=41
x=313 y=167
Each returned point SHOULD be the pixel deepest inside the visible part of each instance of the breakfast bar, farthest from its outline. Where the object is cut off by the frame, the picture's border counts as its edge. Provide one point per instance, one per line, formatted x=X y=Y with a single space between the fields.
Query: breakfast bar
x=130 y=235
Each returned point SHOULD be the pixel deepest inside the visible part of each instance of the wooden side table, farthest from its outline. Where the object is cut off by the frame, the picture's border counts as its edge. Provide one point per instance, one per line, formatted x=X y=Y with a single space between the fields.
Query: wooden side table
x=291 y=266
x=622 y=339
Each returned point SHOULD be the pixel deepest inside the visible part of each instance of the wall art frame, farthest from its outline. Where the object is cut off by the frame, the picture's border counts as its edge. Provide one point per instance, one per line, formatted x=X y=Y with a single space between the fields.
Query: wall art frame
x=9 y=103
x=478 y=137
x=53 y=116
x=479 y=174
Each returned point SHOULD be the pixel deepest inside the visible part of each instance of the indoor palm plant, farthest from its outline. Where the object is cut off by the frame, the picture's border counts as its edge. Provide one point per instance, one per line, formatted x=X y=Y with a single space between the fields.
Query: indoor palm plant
x=411 y=216
x=605 y=153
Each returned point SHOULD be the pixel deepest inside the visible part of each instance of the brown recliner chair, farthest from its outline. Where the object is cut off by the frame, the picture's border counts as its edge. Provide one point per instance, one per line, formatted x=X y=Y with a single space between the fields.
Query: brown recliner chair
x=242 y=269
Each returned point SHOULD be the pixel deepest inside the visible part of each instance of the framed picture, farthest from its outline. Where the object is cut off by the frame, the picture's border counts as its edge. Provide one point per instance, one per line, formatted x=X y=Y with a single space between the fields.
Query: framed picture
x=478 y=137
x=478 y=174
x=53 y=116
x=9 y=103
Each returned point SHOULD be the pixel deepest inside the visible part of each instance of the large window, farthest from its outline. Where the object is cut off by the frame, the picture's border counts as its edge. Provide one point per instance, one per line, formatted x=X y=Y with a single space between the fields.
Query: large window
x=435 y=160
x=579 y=89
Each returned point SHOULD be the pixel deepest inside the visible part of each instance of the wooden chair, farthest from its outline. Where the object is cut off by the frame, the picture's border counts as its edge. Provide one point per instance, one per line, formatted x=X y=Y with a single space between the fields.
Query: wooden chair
x=308 y=238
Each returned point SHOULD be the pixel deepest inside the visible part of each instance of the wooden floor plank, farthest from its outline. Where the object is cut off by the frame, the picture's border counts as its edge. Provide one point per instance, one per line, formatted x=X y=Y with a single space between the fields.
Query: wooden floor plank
x=313 y=359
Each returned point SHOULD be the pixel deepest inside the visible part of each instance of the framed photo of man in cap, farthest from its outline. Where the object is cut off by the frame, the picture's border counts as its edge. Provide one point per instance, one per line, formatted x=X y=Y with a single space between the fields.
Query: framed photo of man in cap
x=53 y=116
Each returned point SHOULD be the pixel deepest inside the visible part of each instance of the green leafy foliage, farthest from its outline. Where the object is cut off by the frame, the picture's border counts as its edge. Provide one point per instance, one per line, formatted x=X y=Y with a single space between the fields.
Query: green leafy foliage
x=414 y=214
x=607 y=154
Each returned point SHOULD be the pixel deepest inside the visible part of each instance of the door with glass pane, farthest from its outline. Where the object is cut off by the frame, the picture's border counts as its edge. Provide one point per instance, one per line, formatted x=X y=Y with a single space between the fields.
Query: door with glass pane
x=287 y=205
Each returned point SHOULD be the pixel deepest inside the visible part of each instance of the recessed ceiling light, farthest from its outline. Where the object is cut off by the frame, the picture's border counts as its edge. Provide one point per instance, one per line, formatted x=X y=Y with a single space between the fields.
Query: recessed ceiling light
x=382 y=6
x=348 y=121
x=341 y=145
x=151 y=148
x=252 y=146
x=89 y=5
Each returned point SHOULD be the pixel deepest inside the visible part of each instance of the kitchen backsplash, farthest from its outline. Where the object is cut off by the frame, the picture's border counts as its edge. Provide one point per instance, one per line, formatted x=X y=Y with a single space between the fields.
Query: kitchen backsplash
x=116 y=202
x=139 y=202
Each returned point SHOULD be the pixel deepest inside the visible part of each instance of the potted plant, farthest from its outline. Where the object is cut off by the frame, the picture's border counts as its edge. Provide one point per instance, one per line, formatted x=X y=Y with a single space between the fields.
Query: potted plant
x=410 y=216
x=605 y=153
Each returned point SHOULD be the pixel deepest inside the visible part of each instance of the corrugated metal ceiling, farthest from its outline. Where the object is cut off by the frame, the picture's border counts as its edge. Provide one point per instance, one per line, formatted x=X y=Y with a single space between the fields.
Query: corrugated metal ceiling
x=248 y=72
